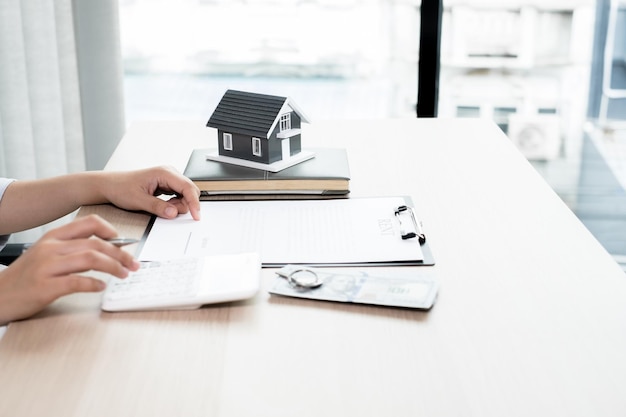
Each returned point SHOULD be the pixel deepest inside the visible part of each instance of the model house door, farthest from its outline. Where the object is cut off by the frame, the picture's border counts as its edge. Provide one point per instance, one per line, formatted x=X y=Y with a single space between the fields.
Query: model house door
x=286 y=149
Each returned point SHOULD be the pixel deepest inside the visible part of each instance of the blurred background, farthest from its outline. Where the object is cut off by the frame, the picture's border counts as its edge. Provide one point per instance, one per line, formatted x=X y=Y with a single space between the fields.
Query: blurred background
x=550 y=73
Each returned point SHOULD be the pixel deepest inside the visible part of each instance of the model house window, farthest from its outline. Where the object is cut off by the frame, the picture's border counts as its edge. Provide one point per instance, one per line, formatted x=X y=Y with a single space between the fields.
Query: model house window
x=285 y=122
x=256 y=146
x=228 y=141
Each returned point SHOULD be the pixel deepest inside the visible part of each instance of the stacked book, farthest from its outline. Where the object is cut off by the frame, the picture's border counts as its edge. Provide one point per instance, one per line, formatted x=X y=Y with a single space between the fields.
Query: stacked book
x=327 y=175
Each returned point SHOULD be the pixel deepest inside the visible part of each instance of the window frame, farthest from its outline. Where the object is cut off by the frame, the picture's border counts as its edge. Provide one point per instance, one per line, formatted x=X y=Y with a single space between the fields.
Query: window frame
x=285 y=122
x=227 y=141
x=256 y=147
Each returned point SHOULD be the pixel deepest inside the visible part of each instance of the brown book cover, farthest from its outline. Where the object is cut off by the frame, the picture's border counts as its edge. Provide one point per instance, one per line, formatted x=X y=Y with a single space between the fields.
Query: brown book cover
x=326 y=174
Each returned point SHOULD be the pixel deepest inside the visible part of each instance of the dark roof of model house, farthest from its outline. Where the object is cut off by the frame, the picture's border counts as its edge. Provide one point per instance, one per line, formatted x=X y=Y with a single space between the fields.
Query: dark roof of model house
x=250 y=113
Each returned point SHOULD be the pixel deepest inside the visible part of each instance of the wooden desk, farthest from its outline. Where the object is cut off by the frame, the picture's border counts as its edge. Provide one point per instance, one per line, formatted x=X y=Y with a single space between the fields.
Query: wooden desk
x=530 y=320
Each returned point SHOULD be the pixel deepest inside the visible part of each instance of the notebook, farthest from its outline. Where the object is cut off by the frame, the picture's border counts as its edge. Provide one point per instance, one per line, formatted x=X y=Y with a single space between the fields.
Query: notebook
x=326 y=174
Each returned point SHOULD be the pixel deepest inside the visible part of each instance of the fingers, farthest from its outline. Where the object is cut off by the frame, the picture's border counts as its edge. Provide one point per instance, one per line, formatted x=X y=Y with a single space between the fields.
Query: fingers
x=188 y=194
x=80 y=255
x=84 y=227
x=74 y=256
x=75 y=249
x=140 y=190
x=173 y=207
x=71 y=284
x=76 y=262
x=192 y=201
x=51 y=267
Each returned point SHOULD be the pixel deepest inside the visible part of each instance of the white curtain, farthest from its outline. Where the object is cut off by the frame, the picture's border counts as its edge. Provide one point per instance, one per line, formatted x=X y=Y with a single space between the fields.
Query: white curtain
x=61 y=99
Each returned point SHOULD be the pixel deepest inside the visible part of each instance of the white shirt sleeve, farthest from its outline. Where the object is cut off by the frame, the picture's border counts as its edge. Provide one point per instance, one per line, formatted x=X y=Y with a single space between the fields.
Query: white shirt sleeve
x=4 y=183
x=2 y=328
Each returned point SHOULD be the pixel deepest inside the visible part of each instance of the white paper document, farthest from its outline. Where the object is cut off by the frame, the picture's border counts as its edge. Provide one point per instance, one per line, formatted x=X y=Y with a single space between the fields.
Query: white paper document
x=343 y=231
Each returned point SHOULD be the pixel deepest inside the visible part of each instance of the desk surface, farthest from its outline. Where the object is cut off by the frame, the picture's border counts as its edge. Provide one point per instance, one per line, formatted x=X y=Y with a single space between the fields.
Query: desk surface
x=530 y=320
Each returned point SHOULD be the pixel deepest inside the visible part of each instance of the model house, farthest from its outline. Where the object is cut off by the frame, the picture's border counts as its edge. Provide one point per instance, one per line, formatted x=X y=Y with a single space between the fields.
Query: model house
x=255 y=127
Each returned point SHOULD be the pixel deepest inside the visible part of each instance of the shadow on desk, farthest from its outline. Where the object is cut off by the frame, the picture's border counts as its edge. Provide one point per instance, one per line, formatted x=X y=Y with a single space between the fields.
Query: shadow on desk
x=239 y=311
x=77 y=320
x=394 y=313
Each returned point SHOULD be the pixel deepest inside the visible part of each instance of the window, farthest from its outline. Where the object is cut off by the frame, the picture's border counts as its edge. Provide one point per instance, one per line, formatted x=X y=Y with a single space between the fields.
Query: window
x=468 y=111
x=501 y=117
x=228 y=141
x=546 y=110
x=285 y=122
x=174 y=49
x=256 y=146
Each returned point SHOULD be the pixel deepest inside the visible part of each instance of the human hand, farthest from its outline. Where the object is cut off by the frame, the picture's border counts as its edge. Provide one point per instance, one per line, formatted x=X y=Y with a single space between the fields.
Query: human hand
x=139 y=190
x=52 y=267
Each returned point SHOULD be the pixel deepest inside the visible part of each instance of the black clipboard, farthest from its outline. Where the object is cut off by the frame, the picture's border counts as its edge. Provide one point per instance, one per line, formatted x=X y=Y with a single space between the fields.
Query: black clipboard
x=405 y=213
x=414 y=230
x=429 y=260
x=407 y=217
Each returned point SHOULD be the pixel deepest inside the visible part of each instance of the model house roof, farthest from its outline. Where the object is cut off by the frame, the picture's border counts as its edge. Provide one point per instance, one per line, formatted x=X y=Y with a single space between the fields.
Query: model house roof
x=251 y=113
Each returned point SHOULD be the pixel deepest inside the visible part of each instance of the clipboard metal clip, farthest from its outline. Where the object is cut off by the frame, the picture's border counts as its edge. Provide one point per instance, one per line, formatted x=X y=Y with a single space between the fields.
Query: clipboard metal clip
x=416 y=231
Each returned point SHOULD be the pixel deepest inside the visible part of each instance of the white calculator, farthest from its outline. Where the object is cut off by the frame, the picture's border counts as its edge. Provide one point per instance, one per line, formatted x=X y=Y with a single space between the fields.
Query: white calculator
x=185 y=283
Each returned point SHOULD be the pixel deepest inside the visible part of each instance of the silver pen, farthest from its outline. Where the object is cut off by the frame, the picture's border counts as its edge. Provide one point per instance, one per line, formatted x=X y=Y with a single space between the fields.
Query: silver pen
x=117 y=241
x=122 y=241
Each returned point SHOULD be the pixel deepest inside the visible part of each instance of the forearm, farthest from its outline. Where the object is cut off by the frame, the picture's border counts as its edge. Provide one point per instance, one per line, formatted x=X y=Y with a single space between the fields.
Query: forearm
x=28 y=204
